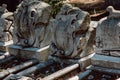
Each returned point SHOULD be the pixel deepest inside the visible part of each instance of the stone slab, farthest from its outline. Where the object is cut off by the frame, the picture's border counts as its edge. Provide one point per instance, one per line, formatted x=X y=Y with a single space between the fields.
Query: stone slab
x=4 y=45
x=104 y=69
x=29 y=53
x=110 y=52
x=85 y=61
x=106 y=61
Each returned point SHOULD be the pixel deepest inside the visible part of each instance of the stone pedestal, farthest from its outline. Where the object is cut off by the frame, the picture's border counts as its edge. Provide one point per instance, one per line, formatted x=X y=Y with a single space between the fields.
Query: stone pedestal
x=29 y=53
x=106 y=61
x=108 y=41
x=4 y=46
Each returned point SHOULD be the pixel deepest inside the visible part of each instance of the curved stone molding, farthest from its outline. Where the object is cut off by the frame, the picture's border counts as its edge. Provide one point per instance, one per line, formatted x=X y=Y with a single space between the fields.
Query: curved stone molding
x=113 y=13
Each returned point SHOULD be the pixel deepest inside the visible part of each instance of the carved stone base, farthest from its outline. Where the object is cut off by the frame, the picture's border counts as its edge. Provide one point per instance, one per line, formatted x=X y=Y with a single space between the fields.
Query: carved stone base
x=29 y=53
x=106 y=61
x=4 y=45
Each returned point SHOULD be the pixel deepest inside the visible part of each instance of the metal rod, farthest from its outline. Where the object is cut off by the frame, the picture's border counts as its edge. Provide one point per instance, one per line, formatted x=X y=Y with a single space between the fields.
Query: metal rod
x=68 y=69
x=94 y=68
x=23 y=65
x=9 y=58
x=2 y=57
x=39 y=66
x=81 y=75
x=18 y=68
x=16 y=77
x=61 y=72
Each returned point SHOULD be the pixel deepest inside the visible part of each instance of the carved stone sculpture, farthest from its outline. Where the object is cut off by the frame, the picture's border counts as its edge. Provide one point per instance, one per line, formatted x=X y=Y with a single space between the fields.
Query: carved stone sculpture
x=31 y=21
x=108 y=41
x=3 y=9
x=71 y=33
x=108 y=34
x=6 y=30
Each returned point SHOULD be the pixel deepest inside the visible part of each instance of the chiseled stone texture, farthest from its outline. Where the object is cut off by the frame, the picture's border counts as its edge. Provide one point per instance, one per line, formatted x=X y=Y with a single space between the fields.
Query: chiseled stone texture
x=106 y=61
x=6 y=34
x=108 y=34
x=32 y=24
x=72 y=35
x=6 y=30
x=108 y=41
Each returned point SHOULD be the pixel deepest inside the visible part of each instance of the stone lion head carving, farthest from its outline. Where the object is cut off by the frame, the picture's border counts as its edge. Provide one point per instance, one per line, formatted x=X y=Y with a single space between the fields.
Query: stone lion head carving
x=71 y=33
x=31 y=21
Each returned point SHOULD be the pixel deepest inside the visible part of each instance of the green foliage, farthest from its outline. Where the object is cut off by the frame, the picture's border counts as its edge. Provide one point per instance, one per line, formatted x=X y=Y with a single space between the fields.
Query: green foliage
x=56 y=5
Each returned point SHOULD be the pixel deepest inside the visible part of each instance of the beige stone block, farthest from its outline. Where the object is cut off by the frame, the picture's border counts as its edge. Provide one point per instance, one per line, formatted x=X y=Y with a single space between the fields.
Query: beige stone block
x=106 y=61
x=29 y=53
x=85 y=61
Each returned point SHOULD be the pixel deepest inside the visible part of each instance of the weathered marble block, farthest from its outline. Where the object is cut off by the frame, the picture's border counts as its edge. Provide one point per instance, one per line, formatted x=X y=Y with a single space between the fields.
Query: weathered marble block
x=31 y=24
x=108 y=34
x=32 y=31
x=108 y=41
x=106 y=61
x=5 y=34
x=5 y=30
x=29 y=53
x=73 y=37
